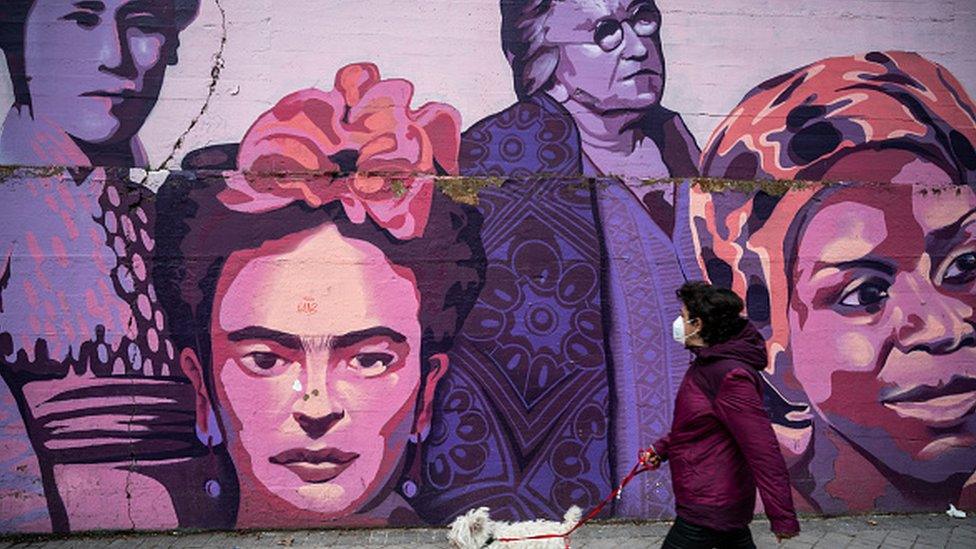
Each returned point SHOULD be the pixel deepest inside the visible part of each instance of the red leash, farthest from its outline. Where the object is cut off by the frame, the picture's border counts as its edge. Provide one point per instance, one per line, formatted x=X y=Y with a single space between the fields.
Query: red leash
x=639 y=468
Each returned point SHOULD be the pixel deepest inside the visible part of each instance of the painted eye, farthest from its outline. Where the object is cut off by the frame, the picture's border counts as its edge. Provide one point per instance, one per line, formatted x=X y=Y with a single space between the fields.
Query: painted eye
x=84 y=19
x=608 y=35
x=646 y=21
x=145 y=21
x=371 y=364
x=962 y=270
x=264 y=363
x=871 y=292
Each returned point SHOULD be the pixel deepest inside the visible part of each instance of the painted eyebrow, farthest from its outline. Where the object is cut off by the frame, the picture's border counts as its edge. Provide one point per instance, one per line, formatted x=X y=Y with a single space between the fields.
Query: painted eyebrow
x=290 y=341
x=91 y=5
x=352 y=338
x=862 y=263
x=948 y=236
x=140 y=5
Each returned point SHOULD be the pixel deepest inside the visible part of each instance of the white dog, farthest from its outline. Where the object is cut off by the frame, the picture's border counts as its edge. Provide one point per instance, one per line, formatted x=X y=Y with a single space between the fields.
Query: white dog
x=476 y=530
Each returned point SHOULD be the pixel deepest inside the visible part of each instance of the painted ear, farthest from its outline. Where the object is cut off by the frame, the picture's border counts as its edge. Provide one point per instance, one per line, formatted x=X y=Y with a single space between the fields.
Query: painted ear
x=425 y=401
x=172 y=50
x=208 y=431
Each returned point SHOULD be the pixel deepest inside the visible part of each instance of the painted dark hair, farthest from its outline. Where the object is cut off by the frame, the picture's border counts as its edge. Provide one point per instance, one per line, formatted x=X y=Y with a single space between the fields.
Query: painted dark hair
x=196 y=233
x=13 y=22
x=719 y=310
x=13 y=19
x=523 y=41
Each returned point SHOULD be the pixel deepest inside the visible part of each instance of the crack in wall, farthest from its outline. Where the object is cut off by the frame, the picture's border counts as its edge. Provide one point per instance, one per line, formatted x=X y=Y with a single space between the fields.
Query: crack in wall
x=132 y=465
x=215 y=70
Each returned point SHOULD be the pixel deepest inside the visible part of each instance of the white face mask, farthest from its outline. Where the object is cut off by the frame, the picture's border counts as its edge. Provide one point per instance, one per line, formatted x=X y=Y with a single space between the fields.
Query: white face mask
x=678 y=331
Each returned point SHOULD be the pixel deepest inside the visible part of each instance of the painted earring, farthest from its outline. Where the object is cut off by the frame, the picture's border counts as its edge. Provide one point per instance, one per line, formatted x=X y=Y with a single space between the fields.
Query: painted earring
x=410 y=481
x=212 y=486
x=417 y=438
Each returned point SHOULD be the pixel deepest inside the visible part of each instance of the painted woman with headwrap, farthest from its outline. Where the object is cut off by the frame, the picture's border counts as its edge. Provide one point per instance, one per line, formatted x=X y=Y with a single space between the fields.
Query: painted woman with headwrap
x=865 y=289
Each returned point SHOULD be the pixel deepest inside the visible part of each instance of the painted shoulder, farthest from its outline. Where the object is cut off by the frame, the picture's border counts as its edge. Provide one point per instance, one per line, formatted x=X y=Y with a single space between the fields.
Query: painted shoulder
x=530 y=138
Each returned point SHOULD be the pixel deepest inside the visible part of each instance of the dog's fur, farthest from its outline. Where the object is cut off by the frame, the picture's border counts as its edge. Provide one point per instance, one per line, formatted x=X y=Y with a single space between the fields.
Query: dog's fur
x=476 y=530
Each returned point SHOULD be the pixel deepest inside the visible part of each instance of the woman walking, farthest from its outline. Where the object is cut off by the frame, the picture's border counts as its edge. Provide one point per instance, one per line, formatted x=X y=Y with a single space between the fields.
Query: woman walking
x=721 y=446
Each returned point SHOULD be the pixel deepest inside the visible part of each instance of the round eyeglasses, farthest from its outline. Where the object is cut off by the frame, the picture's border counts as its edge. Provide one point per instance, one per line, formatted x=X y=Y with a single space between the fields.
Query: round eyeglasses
x=609 y=33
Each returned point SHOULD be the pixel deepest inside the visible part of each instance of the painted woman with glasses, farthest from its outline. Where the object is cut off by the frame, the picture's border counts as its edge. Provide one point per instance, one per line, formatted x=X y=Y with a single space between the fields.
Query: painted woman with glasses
x=589 y=76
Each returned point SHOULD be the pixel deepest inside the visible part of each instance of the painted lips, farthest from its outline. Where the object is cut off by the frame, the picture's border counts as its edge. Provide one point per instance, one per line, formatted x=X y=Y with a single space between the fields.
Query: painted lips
x=642 y=72
x=942 y=406
x=116 y=96
x=315 y=466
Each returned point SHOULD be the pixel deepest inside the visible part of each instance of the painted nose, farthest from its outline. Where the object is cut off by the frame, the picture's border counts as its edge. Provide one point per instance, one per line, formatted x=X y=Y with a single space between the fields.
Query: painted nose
x=317 y=426
x=936 y=325
x=634 y=47
x=111 y=49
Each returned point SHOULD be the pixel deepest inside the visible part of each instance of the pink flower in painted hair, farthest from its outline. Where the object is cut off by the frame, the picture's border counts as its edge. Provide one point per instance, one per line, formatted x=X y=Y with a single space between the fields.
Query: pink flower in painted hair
x=360 y=144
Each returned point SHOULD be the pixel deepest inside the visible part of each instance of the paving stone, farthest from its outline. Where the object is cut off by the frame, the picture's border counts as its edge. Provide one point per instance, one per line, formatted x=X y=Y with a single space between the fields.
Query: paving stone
x=834 y=540
x=794 y=543
x=863 y=544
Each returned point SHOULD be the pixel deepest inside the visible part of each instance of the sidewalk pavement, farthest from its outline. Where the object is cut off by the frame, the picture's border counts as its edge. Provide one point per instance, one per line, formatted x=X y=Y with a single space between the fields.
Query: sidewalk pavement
x=896 y=532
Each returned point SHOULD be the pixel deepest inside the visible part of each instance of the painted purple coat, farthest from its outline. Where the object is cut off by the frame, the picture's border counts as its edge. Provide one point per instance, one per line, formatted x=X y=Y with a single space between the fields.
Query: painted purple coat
x=721 y=446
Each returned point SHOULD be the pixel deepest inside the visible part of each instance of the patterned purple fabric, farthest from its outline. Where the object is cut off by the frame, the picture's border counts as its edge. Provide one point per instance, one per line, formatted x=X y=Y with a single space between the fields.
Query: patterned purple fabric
x=645 y=267
x=524 y=419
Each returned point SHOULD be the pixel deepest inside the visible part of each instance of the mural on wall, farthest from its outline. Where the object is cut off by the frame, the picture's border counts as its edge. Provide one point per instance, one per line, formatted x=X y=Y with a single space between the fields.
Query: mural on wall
x=85 y=77
x=319 y=378
x=303 y=327
x=79 y=318
x=866 y=289
x=574 y=320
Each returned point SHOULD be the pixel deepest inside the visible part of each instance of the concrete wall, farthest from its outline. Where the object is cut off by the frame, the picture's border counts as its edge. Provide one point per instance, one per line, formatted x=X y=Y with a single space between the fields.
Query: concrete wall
x=304 y=263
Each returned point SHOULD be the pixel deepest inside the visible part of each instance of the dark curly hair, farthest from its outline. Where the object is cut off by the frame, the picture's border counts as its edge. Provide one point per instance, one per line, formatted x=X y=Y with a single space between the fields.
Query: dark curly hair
x=719 y=309
x=196 y=233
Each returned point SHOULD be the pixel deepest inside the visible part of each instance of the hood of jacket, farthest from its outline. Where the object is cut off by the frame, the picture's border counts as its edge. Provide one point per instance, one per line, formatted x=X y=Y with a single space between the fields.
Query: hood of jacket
x=748 y=346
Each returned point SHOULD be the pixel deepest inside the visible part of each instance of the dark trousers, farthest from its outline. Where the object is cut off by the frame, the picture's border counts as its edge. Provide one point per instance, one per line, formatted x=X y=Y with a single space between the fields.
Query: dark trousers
x=685 y=535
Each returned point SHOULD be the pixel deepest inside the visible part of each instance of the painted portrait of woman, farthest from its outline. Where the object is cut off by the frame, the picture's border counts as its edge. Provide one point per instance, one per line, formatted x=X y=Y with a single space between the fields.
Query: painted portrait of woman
x=317 y=292
x=86 y=76
x=866 y=288
x=594 y=368
x=79 y=319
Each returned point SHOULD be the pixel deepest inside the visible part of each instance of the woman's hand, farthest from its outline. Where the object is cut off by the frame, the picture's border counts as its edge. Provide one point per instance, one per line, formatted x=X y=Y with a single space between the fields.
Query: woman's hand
x=649 y=458
x=781 y=536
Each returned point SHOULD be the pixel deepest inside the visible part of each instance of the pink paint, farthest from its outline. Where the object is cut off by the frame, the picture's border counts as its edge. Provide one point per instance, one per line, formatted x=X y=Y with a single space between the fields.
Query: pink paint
x=138 y=266
x=34 y=248
x=145 y=308
x=128 y=229
x=69 y=224
x=361 y=398
x=31 y=294
x=60 y=252
x=152 y=338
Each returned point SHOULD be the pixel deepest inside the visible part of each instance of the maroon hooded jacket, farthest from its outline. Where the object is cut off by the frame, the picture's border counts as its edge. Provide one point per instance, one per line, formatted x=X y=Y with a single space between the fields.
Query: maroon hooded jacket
x=721 y=446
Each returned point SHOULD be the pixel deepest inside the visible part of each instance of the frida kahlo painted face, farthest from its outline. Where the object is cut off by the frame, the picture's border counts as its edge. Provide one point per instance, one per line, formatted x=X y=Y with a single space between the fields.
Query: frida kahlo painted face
x=317 y=376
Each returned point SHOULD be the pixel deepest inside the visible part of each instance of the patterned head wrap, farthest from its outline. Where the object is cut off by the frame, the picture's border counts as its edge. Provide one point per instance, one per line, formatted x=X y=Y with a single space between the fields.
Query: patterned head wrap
x=797 y=125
